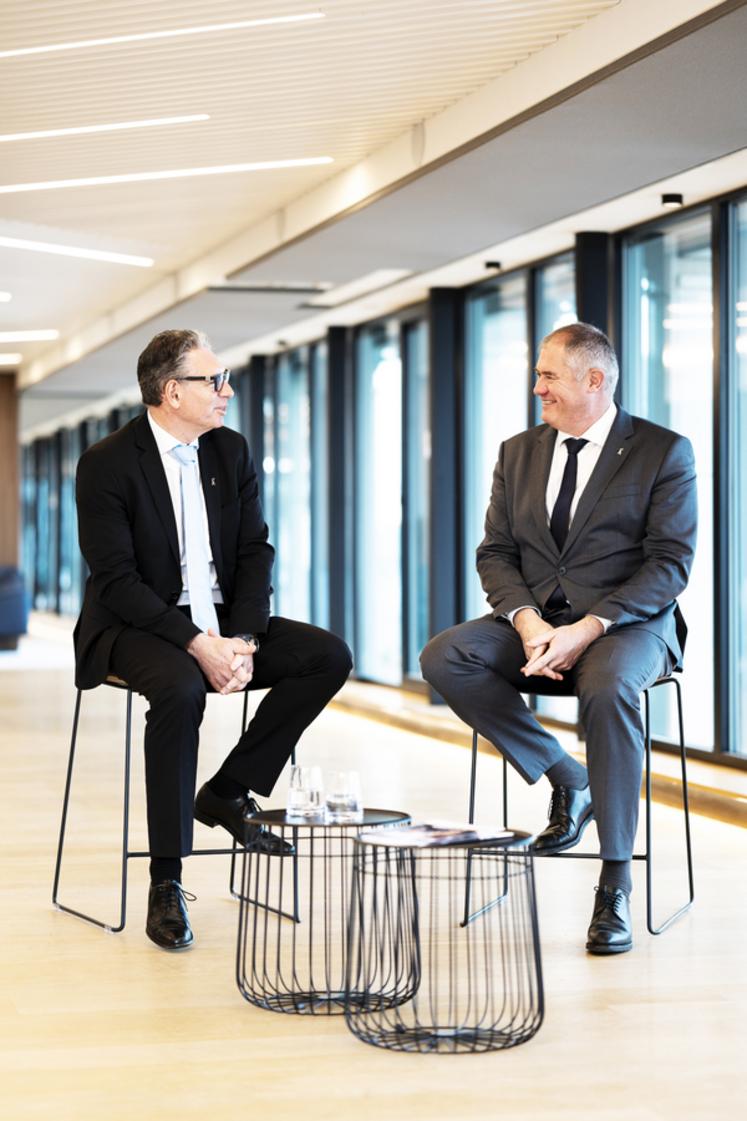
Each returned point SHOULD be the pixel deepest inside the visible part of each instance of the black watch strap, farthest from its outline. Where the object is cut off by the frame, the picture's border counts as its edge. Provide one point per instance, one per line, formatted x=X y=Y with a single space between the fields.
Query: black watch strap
x=250 y=638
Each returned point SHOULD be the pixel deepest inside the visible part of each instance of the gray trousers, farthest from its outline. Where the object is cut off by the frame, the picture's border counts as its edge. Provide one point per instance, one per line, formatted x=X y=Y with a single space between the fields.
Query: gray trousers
x=476 y=667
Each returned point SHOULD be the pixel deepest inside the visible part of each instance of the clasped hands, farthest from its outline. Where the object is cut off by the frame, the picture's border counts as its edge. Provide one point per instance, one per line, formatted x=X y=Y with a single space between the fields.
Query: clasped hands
x=552 y=649
x=228 y=663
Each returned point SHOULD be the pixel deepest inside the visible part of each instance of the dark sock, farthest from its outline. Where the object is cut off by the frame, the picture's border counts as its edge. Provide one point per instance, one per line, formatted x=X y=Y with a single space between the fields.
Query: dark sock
x=617 y=874
x=567 y=772
x=165 y=868
x=226 y=787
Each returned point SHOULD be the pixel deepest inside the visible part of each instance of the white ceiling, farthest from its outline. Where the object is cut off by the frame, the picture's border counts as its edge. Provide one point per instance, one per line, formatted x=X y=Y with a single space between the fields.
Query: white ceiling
x=348 y=86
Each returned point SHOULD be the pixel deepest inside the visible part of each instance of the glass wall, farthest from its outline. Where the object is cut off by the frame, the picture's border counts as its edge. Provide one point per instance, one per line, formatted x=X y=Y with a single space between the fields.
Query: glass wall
x=737 y=488
x=291 y=532
x=320 y=435
x=667 y=378
x=417 y=491
x=496 y=396
x=378 y=503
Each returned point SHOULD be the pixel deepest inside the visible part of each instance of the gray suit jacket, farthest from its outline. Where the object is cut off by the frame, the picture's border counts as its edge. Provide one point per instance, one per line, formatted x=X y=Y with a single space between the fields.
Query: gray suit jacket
x=631 y=542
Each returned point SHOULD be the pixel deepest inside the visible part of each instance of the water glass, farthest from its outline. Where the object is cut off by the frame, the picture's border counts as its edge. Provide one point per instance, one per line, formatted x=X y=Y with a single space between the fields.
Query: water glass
x=343 y=796
x=305 y=792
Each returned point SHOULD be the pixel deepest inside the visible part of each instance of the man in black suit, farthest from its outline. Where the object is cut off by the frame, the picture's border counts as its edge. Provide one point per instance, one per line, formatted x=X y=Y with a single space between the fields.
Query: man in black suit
x=178 y=604
x=589 y=537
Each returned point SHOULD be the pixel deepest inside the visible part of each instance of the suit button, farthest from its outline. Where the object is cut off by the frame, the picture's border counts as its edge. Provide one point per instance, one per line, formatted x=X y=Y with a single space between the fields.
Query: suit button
x=562 y=570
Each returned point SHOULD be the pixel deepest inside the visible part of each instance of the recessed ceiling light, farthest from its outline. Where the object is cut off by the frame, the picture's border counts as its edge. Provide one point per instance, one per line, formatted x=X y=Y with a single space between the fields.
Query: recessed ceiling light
x=176 y=173
x=28 y=336
x=140 y=37
x=5 y=297
x=79 y=130
x=74 y=251
x=672 y=199
x=10 y=359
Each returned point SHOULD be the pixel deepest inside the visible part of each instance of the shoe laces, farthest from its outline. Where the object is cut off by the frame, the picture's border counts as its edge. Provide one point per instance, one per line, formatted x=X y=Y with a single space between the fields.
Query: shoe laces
x=168 y=887
x=611 y=897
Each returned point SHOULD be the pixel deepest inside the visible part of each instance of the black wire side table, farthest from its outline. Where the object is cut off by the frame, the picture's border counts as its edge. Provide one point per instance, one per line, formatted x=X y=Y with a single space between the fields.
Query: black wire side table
x=293 y=913
x=431 y=981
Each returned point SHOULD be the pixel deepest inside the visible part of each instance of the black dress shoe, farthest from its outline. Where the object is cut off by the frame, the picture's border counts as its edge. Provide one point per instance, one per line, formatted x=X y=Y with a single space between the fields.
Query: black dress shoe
x=570 y=812
x=610 y=929
x=167 y=924
x=233 y=814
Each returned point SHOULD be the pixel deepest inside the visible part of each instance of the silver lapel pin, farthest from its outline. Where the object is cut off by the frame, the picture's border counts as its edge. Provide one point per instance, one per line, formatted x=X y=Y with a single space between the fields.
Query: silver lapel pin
x=620 y=451
x=212 y=481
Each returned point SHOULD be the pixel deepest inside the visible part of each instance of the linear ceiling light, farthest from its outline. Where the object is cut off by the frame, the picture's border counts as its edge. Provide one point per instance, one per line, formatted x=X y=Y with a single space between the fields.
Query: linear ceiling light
x=10 y=359
x=146 y=176
x=361 y=286
x=74 y=251
x=5 y=297
x=81 y=129
x=28 y=336
x=140 y=37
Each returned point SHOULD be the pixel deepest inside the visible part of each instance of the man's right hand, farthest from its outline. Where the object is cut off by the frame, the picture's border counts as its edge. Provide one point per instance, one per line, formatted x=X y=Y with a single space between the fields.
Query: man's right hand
x=529 y=624
x=226 y=662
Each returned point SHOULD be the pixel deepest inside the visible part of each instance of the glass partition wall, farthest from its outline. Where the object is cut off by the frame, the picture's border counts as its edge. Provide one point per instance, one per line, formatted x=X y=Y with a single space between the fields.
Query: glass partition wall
x=667 y=377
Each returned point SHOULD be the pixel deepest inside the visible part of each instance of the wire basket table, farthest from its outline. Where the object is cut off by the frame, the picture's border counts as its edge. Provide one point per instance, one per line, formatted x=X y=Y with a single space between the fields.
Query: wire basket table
x=431 y=981
x=293 y=914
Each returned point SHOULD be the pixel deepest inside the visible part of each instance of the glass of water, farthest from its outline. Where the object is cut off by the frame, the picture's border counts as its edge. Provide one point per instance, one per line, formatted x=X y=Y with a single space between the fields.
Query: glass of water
x=343 y=796
x=305 y=792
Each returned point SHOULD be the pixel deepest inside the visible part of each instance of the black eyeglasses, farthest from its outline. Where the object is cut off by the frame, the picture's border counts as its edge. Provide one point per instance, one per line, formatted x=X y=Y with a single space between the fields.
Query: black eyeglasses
x=218 y=380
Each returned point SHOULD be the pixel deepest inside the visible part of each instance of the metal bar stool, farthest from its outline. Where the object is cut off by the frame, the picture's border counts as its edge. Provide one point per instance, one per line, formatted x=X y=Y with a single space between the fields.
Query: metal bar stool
x=127 y=853
x=647 y=854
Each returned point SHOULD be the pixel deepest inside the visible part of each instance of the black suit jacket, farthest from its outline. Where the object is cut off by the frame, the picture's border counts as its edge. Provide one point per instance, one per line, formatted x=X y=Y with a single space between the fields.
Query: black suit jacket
x=128 y=537
x=631 y=542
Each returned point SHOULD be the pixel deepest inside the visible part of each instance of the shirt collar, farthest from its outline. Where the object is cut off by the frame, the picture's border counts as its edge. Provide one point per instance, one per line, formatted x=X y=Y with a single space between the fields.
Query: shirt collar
x=597 y=432
x=164 y=440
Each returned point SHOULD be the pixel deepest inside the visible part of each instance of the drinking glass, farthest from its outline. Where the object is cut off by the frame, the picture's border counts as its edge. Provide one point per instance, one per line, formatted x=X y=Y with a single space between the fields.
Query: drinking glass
x=305 y=792
x=343 y=796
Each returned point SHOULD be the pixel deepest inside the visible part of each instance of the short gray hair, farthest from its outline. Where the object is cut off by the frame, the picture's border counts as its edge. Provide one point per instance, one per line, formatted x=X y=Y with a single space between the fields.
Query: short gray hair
x=164 y=358
x=587 y=347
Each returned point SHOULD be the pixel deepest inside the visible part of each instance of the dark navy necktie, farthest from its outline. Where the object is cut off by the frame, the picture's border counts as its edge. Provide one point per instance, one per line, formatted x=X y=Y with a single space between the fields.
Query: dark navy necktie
x=560 y=519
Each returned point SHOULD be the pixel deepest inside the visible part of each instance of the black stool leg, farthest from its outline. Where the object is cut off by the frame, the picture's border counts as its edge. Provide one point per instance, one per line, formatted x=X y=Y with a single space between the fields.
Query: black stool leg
x=686 y=810
x=125 y=823
x=468 y=916
x=238 y=848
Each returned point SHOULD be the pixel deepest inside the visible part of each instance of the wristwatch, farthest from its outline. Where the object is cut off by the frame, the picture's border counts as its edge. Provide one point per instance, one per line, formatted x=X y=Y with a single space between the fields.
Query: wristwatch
x=250 y=638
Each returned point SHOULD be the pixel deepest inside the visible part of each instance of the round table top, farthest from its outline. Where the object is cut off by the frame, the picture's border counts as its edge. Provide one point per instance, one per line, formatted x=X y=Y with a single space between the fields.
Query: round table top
x=416 y=839
x=369 y=817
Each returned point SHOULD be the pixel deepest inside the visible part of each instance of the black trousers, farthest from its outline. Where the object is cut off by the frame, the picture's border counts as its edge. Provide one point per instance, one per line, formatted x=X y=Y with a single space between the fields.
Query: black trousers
x=476 y=667
x=303 y=667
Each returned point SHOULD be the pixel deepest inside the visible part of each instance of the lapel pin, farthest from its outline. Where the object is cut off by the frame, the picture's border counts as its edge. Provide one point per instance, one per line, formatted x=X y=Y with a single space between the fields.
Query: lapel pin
x=212 y=481
x=620 y=451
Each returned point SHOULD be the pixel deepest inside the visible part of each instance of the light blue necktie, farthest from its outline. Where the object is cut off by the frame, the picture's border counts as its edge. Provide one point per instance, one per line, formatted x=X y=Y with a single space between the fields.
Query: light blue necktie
x=199 y=587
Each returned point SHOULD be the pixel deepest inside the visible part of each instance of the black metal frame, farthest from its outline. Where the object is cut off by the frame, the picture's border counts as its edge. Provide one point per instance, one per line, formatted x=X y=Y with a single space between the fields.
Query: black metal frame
x=127 y=853
x=647 y=855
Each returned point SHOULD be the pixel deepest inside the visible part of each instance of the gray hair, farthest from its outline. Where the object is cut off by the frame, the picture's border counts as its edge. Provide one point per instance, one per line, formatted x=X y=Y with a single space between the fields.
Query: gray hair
x=164 y=358
x=587 y=347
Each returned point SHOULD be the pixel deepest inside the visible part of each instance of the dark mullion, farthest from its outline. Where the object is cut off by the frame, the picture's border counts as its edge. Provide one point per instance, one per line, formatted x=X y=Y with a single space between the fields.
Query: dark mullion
x=721 y=234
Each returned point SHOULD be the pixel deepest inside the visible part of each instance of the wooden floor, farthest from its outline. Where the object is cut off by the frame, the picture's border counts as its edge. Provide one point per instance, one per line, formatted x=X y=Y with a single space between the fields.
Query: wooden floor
x=104 y=1027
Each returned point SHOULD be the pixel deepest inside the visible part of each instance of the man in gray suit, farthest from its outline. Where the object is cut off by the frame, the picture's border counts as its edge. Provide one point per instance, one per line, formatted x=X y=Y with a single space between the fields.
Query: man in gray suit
x=589 y=538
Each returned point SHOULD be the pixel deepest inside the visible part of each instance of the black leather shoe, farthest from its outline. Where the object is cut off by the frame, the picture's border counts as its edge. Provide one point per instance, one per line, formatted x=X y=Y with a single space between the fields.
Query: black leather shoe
x=233 y=814
x=167 y=924
x=610 y=931
x=570 y=812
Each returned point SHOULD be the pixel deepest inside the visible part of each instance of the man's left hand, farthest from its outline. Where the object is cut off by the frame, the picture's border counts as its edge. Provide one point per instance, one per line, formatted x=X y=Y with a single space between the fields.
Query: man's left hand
x=561 y=647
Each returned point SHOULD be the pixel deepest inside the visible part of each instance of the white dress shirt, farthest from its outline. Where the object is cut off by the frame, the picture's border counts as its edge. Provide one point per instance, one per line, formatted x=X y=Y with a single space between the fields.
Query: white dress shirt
x=165 y=442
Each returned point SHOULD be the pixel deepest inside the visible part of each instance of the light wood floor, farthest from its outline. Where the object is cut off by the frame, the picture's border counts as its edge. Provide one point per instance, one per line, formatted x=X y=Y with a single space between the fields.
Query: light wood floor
x=107 y=1027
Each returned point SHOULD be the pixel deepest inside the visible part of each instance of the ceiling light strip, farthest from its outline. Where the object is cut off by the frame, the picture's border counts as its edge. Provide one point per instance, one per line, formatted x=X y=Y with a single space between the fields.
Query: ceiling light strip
x=10 y=359
x=75 y=251
x=38 y=336
x=147 y=176
x=140 y=37
x=117 y=127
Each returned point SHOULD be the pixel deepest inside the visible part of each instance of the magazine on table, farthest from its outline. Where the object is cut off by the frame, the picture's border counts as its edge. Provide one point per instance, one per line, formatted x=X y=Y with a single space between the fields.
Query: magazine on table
x=424 y=834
